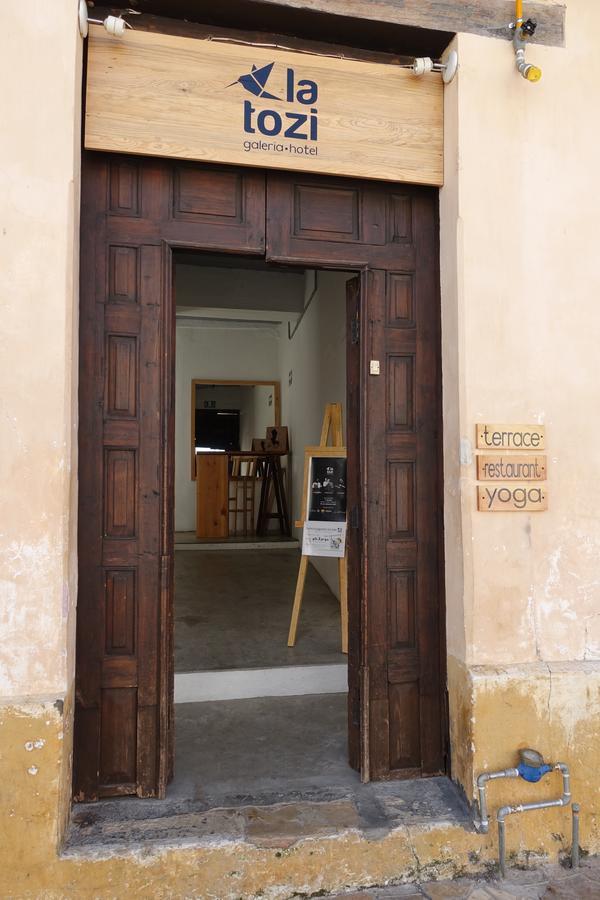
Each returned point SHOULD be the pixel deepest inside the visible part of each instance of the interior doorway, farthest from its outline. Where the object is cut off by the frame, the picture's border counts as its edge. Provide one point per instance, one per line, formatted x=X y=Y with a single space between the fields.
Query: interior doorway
x=137 y=216
x=259 y=348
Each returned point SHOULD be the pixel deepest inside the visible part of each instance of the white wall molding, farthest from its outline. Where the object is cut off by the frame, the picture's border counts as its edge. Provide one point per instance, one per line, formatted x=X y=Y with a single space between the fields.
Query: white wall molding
x=241 y=684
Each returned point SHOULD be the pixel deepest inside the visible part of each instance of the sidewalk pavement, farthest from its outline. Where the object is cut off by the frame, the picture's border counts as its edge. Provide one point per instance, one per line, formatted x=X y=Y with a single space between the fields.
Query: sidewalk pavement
x=548 y=882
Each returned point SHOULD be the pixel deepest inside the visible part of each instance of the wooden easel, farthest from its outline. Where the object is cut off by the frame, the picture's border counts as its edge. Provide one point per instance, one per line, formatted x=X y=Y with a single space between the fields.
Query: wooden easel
x=332 y=427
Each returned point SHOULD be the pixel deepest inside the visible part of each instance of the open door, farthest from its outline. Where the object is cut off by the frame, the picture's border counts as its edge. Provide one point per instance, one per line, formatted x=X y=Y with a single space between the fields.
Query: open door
x=133 y=211
x=396 y=603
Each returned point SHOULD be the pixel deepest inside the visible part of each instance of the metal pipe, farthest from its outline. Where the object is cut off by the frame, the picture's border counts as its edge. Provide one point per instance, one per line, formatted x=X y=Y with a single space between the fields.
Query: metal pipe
x=504 y=811
x=502 y=847
x=575 y=837
x=521 y=62
x=564 y=770
x=518 y=13
x=484 y=825
x=527 y=70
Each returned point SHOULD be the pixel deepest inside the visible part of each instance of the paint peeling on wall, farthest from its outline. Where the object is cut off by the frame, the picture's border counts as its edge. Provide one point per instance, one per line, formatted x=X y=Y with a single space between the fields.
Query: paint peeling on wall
x=28 y=617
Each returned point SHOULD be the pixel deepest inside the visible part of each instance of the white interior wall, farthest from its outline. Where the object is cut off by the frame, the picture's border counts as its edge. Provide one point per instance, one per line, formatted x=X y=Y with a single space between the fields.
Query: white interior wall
x=220 y=353
x=316 y=358
x=226 y=396
x=263 y=410
x=247 y=427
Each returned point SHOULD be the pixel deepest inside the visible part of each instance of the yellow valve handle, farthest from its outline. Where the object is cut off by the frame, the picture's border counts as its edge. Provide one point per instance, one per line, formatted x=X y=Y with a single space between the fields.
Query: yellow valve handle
x=534 y=73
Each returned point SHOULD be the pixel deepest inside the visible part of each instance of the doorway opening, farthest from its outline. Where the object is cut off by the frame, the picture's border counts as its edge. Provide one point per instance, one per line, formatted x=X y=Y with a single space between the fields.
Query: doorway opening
x=139 y=217
x=260 y=351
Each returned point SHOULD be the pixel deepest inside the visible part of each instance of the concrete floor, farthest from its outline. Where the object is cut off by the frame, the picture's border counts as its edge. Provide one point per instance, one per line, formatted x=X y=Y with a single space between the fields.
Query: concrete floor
x=232 y=611
x=270 y=771
x=266 y=747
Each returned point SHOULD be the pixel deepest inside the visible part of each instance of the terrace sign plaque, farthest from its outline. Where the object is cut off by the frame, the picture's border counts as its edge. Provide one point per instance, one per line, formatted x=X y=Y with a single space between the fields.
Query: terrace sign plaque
x=207 y=100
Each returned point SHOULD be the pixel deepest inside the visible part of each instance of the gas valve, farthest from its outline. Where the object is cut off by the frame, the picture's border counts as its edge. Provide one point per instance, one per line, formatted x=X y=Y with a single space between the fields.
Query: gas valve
x=528 y=28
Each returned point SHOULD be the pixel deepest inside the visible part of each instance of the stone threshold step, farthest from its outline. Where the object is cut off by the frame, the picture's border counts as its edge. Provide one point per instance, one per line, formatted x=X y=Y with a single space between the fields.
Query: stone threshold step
x=369 y=812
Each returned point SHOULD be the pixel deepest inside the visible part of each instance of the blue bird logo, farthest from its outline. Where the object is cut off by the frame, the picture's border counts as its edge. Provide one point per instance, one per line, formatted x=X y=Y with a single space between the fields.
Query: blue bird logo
x=255 y=81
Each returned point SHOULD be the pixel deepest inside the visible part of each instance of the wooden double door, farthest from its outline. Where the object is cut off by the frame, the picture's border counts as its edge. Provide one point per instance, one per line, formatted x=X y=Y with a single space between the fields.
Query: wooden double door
x=135 y=213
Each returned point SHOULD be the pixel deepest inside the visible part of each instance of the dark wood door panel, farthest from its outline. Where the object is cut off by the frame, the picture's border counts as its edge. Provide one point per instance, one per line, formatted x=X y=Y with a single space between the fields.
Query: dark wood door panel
x=124 y=185
x=130 y=209
x=217 y=208
x=335 y=221
x=204 y=207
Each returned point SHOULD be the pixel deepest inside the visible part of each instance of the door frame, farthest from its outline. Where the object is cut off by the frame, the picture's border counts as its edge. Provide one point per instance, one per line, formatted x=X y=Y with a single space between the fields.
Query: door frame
x=358 y=658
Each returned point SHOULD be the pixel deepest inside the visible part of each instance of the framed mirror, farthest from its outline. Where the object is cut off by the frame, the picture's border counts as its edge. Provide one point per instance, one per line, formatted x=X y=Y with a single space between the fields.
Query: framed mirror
x=229 y=415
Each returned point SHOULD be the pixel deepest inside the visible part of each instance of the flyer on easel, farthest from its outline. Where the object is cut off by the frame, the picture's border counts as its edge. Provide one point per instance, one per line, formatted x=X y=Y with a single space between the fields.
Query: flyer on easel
x=324 y=539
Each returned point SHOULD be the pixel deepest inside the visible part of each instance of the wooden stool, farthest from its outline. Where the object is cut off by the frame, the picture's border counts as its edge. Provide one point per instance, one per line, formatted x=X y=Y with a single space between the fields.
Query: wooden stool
x=242 y=490
x=272 y=477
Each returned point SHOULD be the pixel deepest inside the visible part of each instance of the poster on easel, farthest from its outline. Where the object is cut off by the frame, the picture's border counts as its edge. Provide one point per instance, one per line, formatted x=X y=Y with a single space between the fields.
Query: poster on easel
x=326 y=500
x=324 y=532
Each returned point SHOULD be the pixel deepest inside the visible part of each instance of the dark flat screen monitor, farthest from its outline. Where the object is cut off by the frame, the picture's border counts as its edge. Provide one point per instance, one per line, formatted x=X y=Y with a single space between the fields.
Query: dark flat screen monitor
x=217 y=429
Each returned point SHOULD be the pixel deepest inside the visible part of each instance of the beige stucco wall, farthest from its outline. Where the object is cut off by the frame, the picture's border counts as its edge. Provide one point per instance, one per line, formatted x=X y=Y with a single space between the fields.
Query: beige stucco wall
x=520 y=287
x=40 y=70
x=520 y=330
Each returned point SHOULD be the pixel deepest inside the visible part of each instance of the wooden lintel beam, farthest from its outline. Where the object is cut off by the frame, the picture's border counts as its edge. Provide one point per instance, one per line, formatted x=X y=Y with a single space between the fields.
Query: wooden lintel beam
x=484 y=17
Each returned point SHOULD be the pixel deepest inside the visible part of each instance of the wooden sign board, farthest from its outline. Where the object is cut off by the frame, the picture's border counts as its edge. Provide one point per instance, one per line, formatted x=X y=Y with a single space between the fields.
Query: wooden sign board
x=511 y=498
x=165 y=95
x=511 y=437
x=511 y=467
